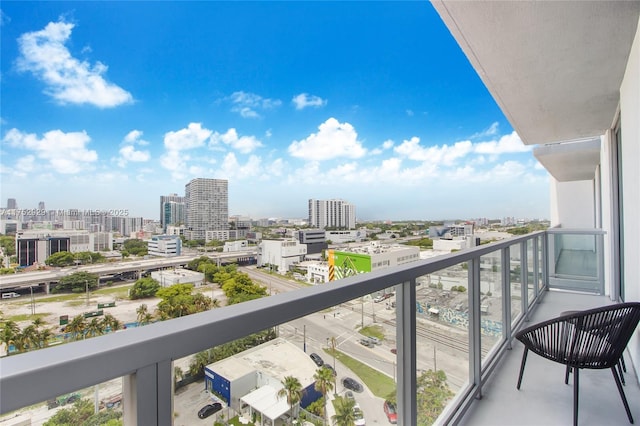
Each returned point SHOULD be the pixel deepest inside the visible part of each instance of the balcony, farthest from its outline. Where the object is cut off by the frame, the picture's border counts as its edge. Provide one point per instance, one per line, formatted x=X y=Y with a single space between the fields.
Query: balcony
x=464 y=306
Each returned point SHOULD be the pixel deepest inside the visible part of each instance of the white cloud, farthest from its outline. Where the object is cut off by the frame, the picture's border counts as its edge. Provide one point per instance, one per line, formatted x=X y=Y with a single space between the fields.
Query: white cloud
x=246 y=104
x=64 y=152
x=68 y=80
x=490 y=131
x=25 y=165
x=304 y=100
x=128 y=152
x=386 y=145
x=176 y=163
x=193 y=136
x=445 y=154
x=410 y=113
x=232 y=169
x=333 y=140
x=243 y=144
x=506 y=144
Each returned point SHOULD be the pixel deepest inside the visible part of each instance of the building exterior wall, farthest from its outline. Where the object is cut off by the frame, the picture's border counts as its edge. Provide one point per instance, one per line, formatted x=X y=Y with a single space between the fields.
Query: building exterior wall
x=629 y=113
x=281 y=253
x=207 y=206
x=332 y=213
x=337 y=237
x=165 y=246
x=575 y=205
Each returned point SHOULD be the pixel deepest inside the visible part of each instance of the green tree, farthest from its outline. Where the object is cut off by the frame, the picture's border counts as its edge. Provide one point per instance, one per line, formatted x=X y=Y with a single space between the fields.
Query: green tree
x=76 y=282
x=9 y=334
x=77 y=327
x=143 y=317
x=8 y=245
x=345 y=415
x=433 y=395
x=292 y=390
x=144 y=287
x=60 y=259
x=81 y=411
x=177 y=301
x=323 y=384
x=111 y=323
x=240 y=288
x=135 y=247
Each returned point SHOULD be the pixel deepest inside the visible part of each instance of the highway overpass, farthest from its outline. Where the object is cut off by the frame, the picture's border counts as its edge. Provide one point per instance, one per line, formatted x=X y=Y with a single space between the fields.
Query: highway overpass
x=24 y=280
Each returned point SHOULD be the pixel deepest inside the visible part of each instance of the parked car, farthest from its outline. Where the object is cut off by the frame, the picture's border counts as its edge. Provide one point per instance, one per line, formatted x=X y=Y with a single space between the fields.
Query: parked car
x=366 y=342
x=358 y=416
x=374 y=340
x=352 y=384
x=317 y=359
x=209 y=409
x=330 y=368
x=391 y=412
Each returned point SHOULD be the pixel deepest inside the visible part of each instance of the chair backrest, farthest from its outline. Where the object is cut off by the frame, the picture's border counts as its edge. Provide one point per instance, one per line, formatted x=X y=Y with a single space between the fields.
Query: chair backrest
x=593 y=338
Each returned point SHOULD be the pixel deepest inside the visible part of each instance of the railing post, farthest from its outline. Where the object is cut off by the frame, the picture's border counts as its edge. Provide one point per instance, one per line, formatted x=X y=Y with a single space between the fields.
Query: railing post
x=536 y=266
x=475 y=345
x=406 y=352
x=147 y=395
x=506 y=295
x=524 y=279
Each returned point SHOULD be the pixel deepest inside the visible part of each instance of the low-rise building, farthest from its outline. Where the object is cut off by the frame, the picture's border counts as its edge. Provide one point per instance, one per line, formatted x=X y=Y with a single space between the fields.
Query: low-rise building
x=170 y=277
x=281 y=253
x=369 y=257
x=164 y=246
x=249 y=381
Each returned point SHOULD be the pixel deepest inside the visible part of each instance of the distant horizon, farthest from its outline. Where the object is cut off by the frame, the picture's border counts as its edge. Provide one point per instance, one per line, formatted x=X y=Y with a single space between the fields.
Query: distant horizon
x=3 y=211
x=116 y=103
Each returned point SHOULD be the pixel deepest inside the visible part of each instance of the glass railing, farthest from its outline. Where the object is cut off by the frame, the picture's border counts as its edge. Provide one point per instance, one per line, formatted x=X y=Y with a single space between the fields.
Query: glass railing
x=575 y=259
x=440 y=323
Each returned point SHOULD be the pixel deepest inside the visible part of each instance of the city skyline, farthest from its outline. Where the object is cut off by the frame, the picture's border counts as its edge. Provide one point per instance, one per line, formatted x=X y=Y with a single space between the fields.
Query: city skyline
x=372 y=102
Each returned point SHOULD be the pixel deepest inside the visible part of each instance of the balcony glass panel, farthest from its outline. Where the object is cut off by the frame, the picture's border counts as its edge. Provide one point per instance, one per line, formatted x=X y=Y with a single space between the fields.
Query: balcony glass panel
x=576 y=260
x=442 y=336
x=94 y=405
x=515 y=281
x=491 y=312
x=541 y=280
x=531 y=272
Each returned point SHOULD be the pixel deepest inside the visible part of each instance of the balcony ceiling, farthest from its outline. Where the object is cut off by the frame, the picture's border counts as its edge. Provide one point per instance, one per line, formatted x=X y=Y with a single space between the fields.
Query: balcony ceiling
x=570 y=161
x=555 y=68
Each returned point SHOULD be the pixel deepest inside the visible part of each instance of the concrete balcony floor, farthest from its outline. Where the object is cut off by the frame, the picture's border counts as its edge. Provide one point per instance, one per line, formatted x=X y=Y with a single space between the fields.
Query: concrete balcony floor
x=543 y=398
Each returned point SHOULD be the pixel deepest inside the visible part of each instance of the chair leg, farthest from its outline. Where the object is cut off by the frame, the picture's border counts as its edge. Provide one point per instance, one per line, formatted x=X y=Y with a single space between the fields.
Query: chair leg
x=620 y=375
x=566 y=375
x=624 y=398
x=524 y=360
x=624 y=366
x=576 y=375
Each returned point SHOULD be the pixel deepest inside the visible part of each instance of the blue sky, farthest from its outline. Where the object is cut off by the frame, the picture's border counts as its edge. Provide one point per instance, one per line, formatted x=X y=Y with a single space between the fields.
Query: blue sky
x=108 y=105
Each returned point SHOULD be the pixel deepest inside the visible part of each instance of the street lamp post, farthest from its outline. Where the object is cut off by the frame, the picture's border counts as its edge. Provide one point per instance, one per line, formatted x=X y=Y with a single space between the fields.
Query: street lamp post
x=33 y=303
x=86 y=283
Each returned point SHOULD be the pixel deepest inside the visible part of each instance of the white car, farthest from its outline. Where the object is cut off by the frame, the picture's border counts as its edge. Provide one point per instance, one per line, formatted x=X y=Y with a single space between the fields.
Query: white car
x=358 y=416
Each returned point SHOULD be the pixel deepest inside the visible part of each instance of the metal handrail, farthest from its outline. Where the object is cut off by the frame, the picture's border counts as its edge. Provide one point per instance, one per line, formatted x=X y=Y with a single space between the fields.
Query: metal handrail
x=34 y=377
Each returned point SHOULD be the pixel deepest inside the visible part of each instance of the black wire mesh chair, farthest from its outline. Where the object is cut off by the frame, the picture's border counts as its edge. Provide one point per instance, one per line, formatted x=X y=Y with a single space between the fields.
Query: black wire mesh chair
x=595 y=339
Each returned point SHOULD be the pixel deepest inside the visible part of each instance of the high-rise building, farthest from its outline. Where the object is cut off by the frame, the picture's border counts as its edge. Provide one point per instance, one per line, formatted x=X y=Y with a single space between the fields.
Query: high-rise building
x=207 y=203
x=12 y=204
x=41 y=206
x=171 y=214
x=332 y=214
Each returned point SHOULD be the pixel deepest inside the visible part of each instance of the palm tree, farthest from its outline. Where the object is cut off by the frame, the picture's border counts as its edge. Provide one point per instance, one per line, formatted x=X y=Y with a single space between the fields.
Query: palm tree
x=144 y=316
x=77 y=327
x=44 y=336
x=345 y=415
x=94 y=328
x=9 y=333
x=324 y=384
x=111 y=322
x=292 y=390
